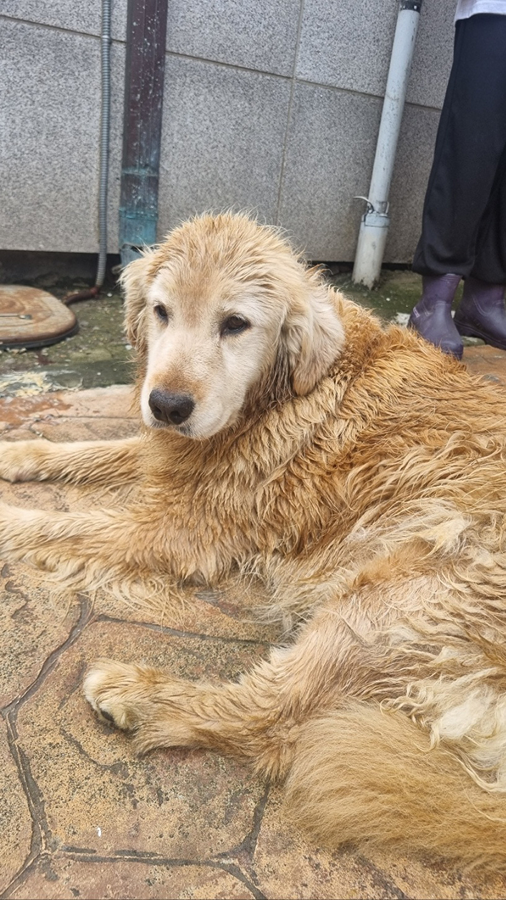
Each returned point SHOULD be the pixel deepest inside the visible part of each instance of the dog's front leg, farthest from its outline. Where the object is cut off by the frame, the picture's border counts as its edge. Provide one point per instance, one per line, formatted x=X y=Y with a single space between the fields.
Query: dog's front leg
x=91 y=462
x=257 y=718
x=98 y=541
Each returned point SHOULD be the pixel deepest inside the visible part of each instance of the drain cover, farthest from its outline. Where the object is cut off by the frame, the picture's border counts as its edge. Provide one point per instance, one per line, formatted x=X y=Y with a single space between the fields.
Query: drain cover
x=32 y=318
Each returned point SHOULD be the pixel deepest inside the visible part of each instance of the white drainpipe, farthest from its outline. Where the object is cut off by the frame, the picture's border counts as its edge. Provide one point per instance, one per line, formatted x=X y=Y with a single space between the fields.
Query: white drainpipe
x=375 y=221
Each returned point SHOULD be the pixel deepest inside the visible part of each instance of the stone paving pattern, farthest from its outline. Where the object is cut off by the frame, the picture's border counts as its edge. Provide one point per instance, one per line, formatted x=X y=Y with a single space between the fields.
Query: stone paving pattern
x=80 y=814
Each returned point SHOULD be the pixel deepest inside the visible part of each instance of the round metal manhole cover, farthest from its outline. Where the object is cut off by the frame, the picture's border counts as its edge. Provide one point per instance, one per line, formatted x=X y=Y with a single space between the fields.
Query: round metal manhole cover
x=32 y=318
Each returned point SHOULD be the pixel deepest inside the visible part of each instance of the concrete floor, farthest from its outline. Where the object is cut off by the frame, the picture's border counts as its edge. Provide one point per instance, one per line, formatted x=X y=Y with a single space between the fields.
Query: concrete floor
x=80 y=815
x=100 y=355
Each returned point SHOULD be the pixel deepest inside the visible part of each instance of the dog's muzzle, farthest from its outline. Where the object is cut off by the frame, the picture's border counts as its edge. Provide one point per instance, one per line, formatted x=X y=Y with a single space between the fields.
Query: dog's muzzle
x=173 y=409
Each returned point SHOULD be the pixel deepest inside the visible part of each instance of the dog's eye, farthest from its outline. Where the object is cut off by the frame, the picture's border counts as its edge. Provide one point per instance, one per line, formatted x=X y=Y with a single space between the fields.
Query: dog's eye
x=161 y=313
x=234 y=325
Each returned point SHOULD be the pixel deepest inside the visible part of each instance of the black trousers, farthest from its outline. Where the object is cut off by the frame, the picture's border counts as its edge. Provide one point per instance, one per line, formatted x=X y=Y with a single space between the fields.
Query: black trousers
x=464 y=214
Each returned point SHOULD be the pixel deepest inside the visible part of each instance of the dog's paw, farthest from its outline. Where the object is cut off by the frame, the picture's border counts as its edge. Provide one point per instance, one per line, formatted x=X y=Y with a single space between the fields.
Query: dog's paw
x=114 y=690
x=20 y=460
x=156 y=707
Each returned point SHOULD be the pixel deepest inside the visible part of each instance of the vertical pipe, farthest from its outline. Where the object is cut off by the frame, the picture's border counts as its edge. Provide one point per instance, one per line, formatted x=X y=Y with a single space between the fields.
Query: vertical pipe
x=145 y=67
x=104 y=140
x=375 y=221
x=105 y=118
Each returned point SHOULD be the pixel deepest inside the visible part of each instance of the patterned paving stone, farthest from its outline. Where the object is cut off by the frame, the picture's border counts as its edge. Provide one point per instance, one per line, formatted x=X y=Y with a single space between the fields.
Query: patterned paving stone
x=127 y=880
x=15 y=818
x=34 y=626
x=98 y=796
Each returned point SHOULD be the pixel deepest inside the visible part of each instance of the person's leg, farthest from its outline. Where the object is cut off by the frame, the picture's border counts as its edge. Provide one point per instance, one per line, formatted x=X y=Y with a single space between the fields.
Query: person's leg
x=431 y=317
x=469 y=146
x=481 y=312
x=469 y=149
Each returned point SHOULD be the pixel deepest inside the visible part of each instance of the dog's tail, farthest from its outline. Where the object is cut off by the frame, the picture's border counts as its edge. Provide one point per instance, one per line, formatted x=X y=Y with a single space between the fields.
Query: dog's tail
x=369 y=777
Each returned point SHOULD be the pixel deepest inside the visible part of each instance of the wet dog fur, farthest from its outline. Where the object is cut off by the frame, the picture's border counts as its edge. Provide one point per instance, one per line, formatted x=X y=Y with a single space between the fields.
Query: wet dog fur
x=361 y=474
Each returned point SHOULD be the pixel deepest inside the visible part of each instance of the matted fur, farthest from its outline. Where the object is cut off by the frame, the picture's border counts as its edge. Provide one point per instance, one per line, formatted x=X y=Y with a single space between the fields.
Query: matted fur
x=358 y=472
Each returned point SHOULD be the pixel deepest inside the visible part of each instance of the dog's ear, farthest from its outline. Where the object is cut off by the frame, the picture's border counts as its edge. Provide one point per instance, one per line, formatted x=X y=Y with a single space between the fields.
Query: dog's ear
x=134 y=283
x=313 y=336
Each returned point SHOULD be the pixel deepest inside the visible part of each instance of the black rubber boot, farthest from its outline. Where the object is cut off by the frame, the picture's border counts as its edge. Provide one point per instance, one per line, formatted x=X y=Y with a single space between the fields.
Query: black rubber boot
x=432 y=317
x=481 y=312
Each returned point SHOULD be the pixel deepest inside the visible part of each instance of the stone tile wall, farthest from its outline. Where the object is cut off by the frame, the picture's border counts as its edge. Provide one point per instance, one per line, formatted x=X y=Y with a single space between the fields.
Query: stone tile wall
x=269 y=106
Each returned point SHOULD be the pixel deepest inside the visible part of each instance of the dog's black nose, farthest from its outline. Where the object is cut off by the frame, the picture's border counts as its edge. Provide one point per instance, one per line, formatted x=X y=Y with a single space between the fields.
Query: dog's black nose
x=171 y=408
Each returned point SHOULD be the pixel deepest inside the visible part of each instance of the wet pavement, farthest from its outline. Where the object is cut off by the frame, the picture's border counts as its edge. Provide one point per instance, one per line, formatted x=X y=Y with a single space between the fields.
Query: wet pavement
x=80 y=814
x=99 y=354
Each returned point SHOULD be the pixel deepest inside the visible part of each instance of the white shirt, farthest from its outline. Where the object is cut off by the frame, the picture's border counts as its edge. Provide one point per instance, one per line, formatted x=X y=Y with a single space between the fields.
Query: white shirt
x=467 y=8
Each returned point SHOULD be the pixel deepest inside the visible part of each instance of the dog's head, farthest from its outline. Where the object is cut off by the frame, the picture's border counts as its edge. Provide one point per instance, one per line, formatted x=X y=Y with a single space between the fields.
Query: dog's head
x=214 y=312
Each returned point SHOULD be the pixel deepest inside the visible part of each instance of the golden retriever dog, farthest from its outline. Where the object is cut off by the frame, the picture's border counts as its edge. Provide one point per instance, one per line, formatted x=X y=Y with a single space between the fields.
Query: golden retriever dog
x=361 y=475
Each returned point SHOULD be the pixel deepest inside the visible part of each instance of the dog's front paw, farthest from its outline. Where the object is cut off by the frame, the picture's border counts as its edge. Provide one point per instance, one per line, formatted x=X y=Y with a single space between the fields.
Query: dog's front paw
x=19 y=461
x=115 y=691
